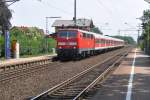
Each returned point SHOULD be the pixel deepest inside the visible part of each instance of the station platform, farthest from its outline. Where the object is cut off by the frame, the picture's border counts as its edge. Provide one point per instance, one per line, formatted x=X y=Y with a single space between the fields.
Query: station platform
x=24 y=60
x=130 y=81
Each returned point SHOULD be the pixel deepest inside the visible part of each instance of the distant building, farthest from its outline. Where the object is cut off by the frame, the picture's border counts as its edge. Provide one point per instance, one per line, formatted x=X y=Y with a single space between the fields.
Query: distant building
x=84 y=24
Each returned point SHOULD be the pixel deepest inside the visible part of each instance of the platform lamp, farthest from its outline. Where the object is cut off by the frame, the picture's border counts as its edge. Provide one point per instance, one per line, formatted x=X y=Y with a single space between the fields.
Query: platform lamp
x=47 y=31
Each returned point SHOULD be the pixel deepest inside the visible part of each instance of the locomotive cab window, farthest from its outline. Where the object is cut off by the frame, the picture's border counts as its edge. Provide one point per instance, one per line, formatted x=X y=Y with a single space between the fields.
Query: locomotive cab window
x=68 y=34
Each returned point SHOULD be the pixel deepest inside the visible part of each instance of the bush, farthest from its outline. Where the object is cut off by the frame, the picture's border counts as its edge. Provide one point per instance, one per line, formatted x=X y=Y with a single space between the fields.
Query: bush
x=32 y=41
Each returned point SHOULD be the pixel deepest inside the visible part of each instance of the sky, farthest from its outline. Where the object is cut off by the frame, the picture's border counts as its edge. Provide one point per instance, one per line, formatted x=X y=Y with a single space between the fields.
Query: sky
x=109 y=15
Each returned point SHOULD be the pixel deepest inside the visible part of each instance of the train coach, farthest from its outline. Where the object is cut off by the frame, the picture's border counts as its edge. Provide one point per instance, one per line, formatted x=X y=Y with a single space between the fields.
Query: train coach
x=72 y=43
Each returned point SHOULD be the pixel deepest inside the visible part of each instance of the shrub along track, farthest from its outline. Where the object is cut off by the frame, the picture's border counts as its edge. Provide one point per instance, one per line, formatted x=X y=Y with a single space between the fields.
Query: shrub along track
x=76 y=87
x=33 y=81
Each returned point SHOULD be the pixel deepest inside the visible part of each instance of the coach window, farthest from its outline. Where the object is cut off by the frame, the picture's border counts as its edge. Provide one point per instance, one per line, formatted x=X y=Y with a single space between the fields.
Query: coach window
x=84 y=35
x=91 y=36
x=103 y=41
x=88 y=36
x=81 y=35
x=96 y=41
x=99 y=41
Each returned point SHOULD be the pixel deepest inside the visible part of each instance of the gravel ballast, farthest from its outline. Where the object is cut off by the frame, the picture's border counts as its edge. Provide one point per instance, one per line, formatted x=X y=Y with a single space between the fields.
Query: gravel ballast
x=40 y=81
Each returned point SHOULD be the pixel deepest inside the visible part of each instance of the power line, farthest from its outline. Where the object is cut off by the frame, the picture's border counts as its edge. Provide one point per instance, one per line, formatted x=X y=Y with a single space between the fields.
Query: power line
x=58 y=9
x=101 y=4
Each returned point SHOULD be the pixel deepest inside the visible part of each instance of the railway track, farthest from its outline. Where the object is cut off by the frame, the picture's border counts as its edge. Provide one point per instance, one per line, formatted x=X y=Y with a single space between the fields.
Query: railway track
x=76 y=87
x=20 y=65
x=15 y=71
x=26 y=69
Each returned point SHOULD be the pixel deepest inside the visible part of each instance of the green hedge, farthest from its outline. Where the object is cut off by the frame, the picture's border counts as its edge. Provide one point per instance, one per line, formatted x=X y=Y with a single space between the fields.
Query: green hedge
x=32 y=41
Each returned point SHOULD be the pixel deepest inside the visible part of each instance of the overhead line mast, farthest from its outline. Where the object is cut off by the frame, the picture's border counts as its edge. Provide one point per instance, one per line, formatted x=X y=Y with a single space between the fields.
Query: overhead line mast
x=75 y=12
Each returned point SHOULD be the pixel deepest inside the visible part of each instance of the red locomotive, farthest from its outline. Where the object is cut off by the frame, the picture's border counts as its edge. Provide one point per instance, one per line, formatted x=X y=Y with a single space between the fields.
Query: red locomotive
x=74 y=43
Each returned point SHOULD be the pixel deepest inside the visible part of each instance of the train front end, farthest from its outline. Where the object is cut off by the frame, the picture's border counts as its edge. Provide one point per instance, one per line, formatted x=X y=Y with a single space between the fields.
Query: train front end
x=67 y=43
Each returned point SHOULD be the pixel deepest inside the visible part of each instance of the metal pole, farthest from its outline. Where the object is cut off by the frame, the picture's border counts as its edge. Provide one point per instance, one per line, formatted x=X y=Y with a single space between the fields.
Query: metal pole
x=46 y=25
x=119 y=32
x=7 y=35
x=7 y=44
x=138 y=37
x=75 y=11
x=47 y=31
x=148 y=42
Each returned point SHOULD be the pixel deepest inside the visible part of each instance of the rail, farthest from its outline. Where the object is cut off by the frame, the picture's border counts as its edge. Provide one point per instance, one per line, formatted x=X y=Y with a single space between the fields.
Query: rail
x=67 y=82
x=23 y=63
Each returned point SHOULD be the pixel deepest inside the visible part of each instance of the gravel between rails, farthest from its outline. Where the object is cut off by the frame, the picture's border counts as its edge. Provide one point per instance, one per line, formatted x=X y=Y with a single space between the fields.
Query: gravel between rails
x=42 y=80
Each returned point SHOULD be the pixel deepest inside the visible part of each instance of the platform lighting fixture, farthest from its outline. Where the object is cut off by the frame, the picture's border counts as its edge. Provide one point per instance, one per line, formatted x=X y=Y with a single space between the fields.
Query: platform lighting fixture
x=47 y=31
x=47 y=22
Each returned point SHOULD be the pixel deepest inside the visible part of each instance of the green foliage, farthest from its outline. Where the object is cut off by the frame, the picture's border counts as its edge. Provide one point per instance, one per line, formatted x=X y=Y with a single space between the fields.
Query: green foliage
x=127 y=39
x=32 y=41
x=142 y=46
x=146 y=31
x=1 y=46
x=5 y=15
x=96 y=30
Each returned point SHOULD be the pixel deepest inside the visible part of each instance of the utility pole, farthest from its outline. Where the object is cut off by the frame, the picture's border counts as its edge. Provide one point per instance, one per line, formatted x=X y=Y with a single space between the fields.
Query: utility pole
x=75 y=12
x=138 y=36
x=47 y=31
x=119 y=32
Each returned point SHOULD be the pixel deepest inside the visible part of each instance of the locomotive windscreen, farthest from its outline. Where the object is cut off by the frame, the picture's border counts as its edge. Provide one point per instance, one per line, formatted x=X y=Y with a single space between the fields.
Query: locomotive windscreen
x=67 y=34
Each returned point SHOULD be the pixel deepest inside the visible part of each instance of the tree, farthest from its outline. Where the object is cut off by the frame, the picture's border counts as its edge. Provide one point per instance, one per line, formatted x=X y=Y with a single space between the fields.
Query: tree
x=146 y=30
x=5 y=15
x=127 y=39
x=96 y=30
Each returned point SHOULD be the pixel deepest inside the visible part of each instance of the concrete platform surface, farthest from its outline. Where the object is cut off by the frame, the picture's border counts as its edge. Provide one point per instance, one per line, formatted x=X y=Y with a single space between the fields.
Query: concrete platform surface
x=24 y=60
x=131 y=81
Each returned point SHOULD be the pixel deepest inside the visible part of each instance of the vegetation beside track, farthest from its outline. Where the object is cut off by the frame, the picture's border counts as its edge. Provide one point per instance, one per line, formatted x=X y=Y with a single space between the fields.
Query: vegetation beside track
x=32 y=41
x=145 y=38
x=127 y=39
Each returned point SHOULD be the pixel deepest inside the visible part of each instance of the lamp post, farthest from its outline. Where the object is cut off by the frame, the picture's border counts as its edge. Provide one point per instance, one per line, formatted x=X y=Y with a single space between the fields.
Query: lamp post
x=47 y=31
x=75 y=12
x=47 y=22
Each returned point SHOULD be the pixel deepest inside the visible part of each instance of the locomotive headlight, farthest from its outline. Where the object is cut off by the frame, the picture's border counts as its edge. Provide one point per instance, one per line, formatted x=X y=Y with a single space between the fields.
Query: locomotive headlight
x=60 y=47
x=72 y=43
x=74 y=47
x=61 y=43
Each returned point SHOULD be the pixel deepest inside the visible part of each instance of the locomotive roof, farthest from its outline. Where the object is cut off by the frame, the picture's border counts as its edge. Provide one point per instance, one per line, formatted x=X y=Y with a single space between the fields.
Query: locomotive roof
x=95 y=34
x=101 y=36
